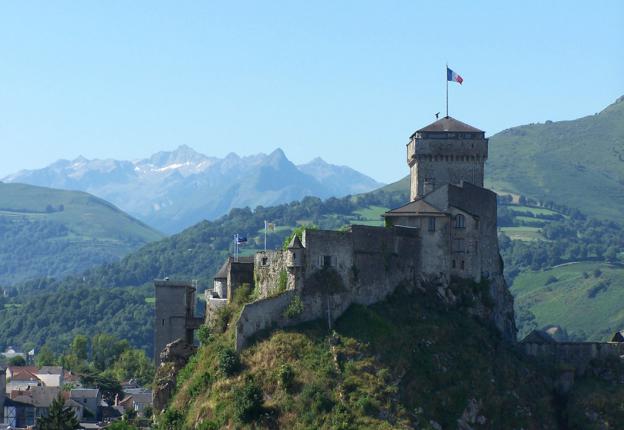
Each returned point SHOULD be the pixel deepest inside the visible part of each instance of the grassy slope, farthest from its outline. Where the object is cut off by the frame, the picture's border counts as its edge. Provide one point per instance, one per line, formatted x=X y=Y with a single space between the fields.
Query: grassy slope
x=87 y=216
x=398 y=364
x=40 y=239
x=568 y=302
x=578 y=163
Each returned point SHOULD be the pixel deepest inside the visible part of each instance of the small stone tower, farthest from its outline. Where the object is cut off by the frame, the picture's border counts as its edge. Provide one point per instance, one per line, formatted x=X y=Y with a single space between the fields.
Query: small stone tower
x=445 y=152
x=295 y=252
x=174 y=314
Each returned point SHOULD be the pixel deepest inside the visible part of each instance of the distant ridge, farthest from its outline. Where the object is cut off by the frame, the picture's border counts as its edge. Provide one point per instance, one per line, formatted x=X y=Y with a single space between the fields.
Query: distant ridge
x=172 y=190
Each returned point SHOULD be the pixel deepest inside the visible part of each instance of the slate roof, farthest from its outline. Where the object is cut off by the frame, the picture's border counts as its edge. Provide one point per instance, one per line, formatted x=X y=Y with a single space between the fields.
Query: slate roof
x=415 y=207
x=295 y=243
x=84 y=393
x=618 y=336
x=222 y=273
x=538 y=336
x=449 y=124
x=465 y=196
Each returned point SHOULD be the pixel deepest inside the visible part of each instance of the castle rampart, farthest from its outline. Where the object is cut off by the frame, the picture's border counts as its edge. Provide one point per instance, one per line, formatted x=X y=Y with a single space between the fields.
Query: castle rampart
x=361 y=266
x=576 y=354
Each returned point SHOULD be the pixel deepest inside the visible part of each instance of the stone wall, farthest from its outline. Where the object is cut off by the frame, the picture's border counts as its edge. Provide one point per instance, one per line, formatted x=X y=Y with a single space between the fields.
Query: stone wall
x=577 y=354
x=269 y=267
x=362 y=266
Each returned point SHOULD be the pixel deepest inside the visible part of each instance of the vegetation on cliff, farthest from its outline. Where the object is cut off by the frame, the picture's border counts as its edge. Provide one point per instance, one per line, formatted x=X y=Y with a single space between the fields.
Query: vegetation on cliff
x=410 y=361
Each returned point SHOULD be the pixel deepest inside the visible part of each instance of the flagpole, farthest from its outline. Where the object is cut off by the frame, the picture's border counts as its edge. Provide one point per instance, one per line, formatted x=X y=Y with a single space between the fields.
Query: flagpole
x=265 y=234
x=446 y=79
x=236 y=242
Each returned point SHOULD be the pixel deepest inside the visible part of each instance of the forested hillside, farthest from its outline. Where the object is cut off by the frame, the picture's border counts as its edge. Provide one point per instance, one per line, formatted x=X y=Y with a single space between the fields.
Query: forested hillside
x=48 y=232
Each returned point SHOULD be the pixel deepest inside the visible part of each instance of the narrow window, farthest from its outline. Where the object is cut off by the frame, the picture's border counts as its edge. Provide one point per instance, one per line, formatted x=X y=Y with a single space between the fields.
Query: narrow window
x=458 y=245
x=432 y=223
x=462 y=265
x=163 y=322
x=453 y=264
x=460 y=221
x=264 y=261
x=327 y=261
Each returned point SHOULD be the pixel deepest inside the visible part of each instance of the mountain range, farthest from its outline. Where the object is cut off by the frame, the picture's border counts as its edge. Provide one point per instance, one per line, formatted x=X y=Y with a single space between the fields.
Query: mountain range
x=173 y=190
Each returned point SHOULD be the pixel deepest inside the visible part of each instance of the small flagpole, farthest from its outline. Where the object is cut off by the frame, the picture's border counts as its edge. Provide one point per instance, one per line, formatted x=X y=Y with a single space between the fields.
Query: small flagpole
x=236 y=242
x=446 y=79
x=265 y=234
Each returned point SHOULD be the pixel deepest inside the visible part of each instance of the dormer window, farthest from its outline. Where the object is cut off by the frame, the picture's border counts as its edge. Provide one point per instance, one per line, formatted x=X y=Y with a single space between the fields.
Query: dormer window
x=460 y=221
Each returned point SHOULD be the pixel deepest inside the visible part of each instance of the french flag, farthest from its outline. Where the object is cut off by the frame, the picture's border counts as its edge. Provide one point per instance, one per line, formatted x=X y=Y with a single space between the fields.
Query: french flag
x=452 y=76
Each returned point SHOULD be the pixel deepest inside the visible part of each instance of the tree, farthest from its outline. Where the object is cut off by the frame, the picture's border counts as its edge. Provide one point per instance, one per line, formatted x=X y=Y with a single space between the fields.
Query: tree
x=106 y=349
x=80 y=347
x=108 y=385
x=121 y=425
x=18 y=360
x=611 y=254
x=45 y=357
x=59 y=417
x=133 y=363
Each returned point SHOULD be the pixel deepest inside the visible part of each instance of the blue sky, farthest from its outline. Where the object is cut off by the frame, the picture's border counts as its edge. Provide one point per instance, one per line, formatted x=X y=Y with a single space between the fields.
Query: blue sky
x=345 y=80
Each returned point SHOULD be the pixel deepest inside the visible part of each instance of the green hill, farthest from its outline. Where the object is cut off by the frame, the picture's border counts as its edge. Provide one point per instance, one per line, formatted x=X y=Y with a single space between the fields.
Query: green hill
x=49 y=232
x=585 y=298
x=407 y=362
x=578 y=163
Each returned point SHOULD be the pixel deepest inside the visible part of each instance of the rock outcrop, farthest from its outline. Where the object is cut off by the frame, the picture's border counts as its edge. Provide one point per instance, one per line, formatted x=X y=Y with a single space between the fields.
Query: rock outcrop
x=173 y=358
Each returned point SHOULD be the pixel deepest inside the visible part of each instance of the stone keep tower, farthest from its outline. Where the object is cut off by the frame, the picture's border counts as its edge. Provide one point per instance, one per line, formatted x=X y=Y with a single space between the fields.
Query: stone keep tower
x=445 y=152
x=174 y=314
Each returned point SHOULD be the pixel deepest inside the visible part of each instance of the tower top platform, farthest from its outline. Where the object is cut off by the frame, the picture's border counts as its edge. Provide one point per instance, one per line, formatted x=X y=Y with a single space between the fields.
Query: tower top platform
x=448 y=124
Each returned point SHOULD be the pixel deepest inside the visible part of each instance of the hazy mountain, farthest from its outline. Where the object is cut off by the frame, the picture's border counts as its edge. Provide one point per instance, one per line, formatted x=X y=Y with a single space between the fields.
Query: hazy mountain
x=174 y=189
x=49 y=232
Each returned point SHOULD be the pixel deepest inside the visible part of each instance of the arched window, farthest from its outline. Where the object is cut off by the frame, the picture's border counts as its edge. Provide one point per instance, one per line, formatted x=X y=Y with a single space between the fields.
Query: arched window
x=460 y=221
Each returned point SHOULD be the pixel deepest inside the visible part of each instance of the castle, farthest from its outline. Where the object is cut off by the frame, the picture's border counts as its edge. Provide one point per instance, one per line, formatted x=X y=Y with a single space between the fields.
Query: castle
x=446 y=231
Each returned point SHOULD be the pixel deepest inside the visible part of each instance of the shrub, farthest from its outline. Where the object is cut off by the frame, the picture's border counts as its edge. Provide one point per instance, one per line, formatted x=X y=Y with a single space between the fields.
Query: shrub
x=222 y=318
x=286 y=376
x=203 y=334
x=200 y=384
x=597 y=289
x=248 y=401
x=294 y=308
x=282 y=281
x=242 y=294
x=597 y=273
x=551 y=280
x=367 y=406
x=229 y=362
x=171 y=419
x=318 y=399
